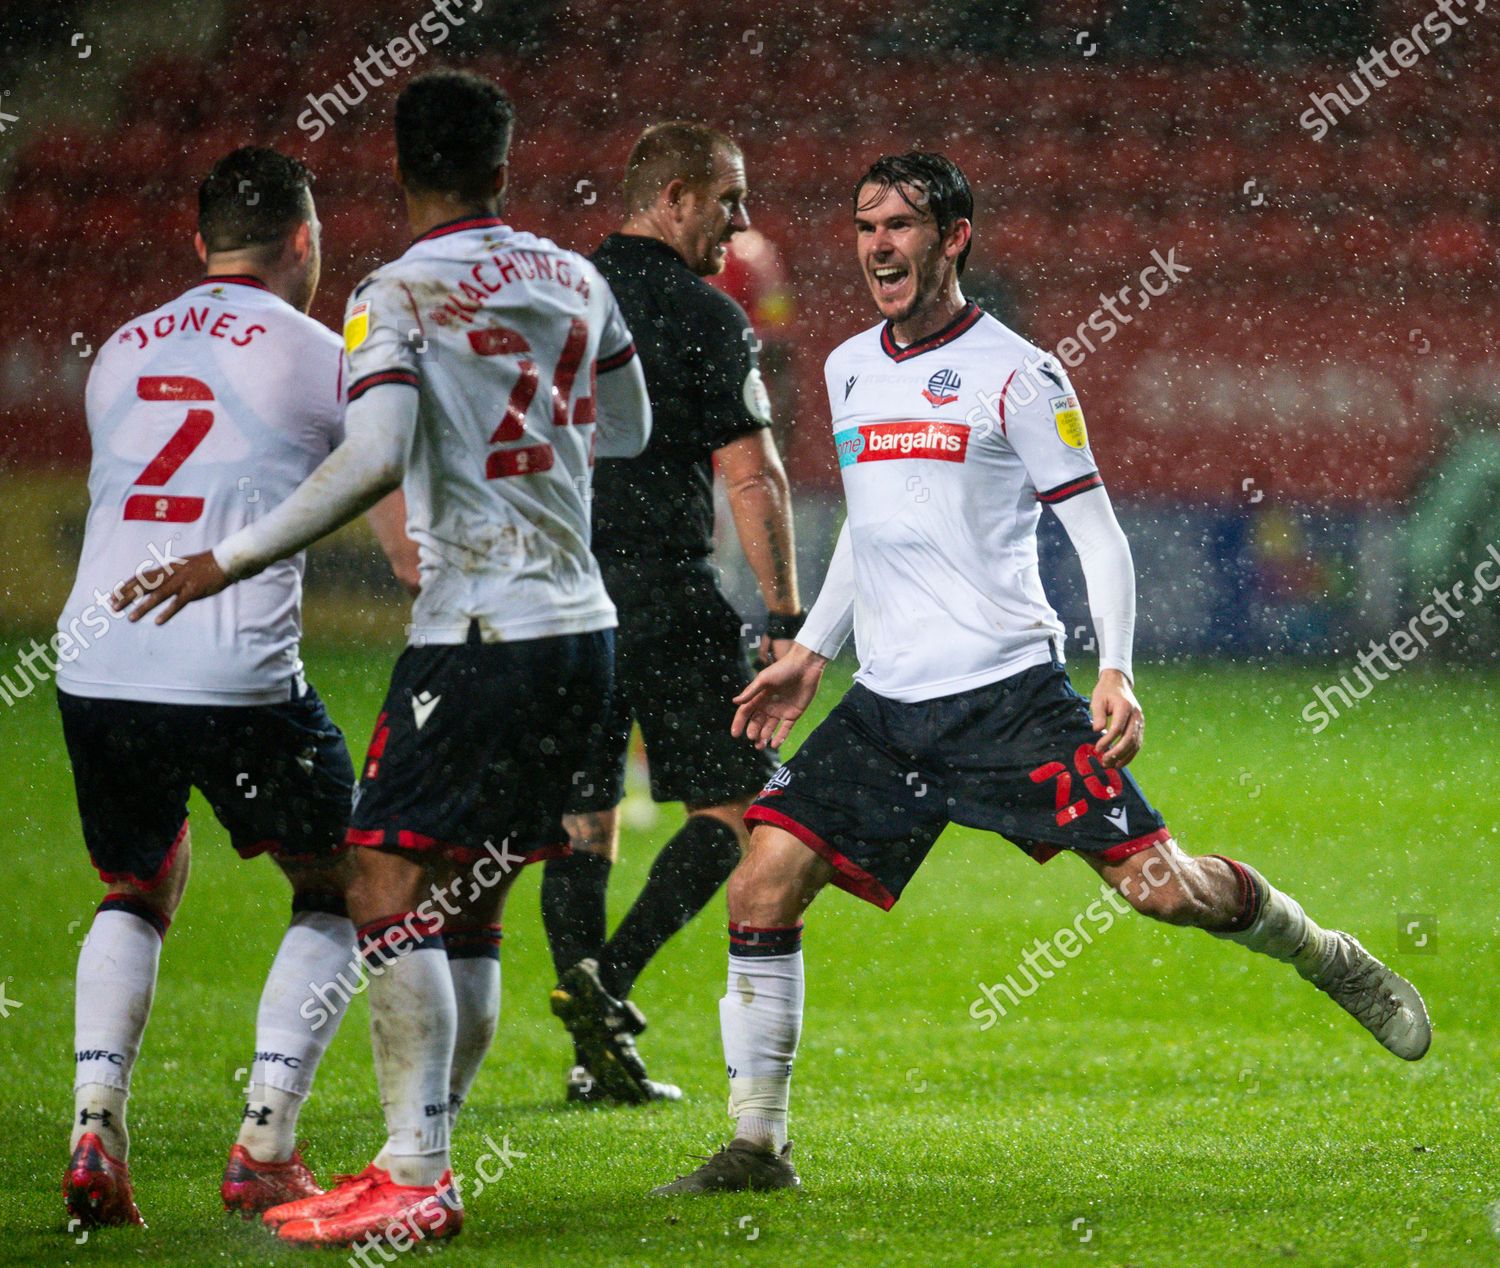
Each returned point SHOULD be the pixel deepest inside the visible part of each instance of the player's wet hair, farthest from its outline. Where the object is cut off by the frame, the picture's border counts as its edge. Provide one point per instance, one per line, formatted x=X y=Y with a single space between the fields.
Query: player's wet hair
x=942 y=189
x=253 y=198
x=453 y=130
x=676 y=150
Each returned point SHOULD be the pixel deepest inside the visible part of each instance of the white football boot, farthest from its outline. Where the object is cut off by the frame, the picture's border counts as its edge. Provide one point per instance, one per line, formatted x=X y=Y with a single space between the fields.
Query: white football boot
x=1380 y=999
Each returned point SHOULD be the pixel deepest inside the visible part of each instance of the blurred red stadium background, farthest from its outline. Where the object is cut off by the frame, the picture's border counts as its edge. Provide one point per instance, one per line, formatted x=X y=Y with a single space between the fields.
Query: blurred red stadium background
x=1340 y=293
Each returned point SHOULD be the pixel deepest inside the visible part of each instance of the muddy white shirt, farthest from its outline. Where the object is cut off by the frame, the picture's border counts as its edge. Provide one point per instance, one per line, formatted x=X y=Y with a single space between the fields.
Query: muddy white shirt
x=203 y=415
x=949 y=448
x=501 y=333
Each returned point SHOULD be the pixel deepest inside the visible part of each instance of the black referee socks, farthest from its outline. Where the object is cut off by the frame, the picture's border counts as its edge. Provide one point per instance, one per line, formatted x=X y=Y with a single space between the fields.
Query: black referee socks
x=573 y=907
x=686 y=875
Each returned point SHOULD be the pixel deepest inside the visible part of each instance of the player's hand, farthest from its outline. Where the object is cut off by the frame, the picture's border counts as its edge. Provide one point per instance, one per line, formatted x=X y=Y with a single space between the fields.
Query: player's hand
x=171 y=588
x=1117 y=713
x=778 y=696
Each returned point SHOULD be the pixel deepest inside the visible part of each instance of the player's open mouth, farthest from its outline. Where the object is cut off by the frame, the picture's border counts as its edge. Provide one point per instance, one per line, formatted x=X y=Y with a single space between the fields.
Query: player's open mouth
x=889 y=280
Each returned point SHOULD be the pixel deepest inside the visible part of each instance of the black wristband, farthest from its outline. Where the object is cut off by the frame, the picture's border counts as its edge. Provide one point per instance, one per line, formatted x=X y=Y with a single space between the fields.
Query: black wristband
x=780 y=626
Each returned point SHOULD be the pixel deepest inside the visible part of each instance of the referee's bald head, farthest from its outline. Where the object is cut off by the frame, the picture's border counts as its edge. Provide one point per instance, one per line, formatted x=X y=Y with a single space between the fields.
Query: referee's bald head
x=666 y=152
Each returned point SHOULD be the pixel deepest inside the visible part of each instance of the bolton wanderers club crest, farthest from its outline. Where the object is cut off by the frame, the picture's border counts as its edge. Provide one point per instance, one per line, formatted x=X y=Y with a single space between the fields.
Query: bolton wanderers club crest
x=942 y=388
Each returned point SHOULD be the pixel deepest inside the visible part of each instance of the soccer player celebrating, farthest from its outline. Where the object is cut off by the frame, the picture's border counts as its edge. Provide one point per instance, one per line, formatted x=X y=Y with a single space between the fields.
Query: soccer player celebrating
x=204 y=415
x=952 y=433
x=472 y=365
x=680 y=657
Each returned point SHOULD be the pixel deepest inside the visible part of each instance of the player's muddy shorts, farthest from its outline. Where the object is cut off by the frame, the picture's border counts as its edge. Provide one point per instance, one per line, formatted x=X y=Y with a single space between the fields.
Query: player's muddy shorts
x=479 y=744
x=680 y=660
x=874 y=785
x=277 y=776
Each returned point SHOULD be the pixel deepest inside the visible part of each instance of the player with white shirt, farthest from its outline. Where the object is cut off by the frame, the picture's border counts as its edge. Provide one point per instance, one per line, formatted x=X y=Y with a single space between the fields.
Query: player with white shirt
x=204 y=415
x=952 y=432
x=487 y=367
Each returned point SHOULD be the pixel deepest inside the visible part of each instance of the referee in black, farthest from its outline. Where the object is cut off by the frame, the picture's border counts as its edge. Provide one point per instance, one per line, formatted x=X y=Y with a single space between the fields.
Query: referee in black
x=679 y=654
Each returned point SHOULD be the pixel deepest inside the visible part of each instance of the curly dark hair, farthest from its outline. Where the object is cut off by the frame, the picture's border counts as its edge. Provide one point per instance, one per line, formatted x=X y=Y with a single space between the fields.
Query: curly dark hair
x=453 y=130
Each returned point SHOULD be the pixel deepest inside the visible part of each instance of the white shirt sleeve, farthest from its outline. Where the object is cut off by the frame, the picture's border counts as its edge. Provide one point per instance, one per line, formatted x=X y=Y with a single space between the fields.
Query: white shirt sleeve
x=1108 y=572
x=368 y=465
x=624 y=411
x=832 y=615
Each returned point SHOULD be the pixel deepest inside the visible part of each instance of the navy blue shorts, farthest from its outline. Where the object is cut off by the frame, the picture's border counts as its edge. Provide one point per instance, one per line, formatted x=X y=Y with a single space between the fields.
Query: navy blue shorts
x=277 y=776
x=874 y=785
x=479 y=744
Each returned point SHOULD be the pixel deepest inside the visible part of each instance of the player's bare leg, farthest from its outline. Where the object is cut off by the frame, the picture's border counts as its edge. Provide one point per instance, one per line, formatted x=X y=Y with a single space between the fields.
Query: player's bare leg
x=307 y=990
x=760 y=1015
x=117 y=967
x=1233 y=901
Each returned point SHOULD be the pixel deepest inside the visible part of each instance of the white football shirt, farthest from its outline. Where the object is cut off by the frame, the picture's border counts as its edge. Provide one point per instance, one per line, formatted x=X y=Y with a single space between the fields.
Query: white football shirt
x=202 y=415
x=501 y=332
x=948 y=449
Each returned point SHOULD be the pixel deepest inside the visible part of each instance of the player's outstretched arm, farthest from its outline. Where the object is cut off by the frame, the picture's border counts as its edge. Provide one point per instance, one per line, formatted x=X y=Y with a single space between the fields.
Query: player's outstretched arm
x=778 y=696
x=356 y=475
x=780 y=693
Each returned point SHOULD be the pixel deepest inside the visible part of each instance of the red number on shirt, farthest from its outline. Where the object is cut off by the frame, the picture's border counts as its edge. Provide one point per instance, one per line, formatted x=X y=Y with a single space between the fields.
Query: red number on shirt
x=171 y=456
x=499 y=341
x=513 y=424
x=567 y=372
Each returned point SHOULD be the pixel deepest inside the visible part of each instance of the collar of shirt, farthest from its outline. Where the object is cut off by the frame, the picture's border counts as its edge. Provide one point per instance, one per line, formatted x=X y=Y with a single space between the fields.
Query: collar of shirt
x=640 y=242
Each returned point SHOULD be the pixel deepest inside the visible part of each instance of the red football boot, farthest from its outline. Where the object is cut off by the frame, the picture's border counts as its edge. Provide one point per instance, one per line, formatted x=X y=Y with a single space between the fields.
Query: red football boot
x=397 y=1213
x=251 y=1187
x=346 y=1191
x=97 y=1187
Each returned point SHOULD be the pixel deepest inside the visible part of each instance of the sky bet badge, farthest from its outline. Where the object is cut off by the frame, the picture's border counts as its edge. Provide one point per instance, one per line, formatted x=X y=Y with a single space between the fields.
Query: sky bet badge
x=1069 y=419
x=942 y=388
x=357 y=327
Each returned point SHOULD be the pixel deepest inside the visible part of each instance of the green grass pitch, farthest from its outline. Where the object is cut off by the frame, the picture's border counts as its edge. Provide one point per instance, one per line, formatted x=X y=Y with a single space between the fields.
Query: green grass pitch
x=1163 y=1099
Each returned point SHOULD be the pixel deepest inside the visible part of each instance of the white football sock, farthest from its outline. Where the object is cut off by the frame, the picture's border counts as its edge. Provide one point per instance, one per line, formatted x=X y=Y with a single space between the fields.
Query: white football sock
x=760 y=1018
x=1280 y=928
x=117 y=967
x=476 y=991
x=412 y=1024
x=293 y=1029
x=100 y=1108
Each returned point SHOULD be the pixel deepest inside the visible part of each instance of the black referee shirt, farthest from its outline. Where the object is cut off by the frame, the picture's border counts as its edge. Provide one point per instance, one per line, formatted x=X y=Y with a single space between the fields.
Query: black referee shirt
x=697 y=349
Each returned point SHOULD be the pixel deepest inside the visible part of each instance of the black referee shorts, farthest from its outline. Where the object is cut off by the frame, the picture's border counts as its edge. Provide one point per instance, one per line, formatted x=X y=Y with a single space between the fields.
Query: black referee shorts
x=680 y=659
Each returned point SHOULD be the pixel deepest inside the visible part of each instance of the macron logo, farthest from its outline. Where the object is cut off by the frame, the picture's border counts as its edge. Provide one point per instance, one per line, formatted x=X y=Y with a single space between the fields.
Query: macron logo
x=1118 y=818
x=422 y=707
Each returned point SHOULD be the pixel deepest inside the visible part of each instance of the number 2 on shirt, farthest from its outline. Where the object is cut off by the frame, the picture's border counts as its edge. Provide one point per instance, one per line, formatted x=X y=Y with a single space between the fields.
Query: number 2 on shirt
x=177 y=450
